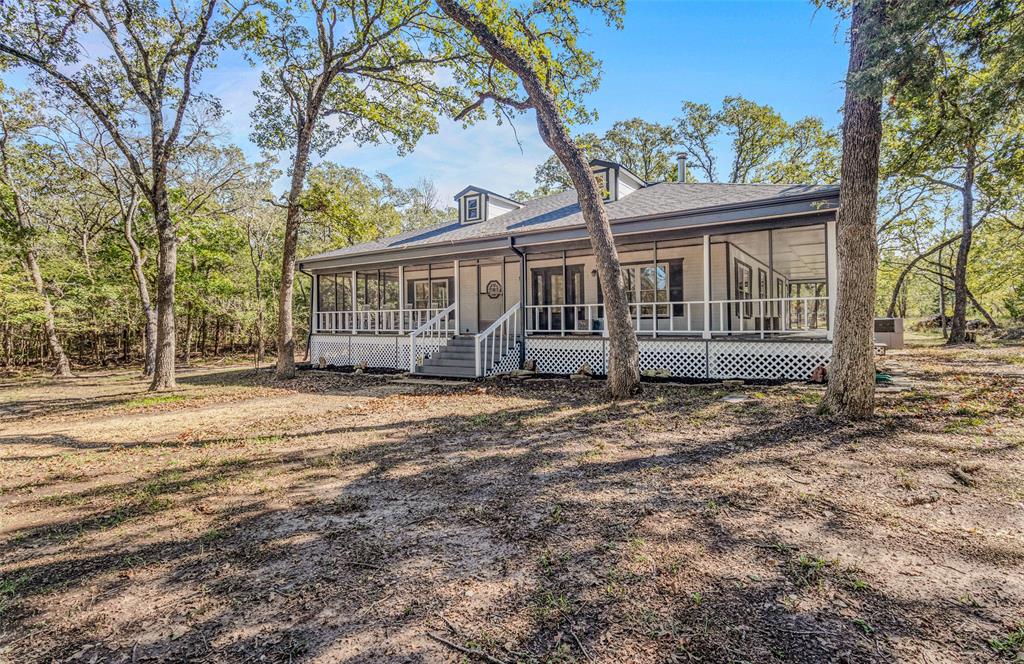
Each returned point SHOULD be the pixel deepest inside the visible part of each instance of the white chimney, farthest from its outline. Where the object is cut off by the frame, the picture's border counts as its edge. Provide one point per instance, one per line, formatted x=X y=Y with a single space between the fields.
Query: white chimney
x=681 y=161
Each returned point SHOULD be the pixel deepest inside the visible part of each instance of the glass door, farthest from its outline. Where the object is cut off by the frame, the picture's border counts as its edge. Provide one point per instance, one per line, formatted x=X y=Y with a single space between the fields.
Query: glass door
x=553 y=287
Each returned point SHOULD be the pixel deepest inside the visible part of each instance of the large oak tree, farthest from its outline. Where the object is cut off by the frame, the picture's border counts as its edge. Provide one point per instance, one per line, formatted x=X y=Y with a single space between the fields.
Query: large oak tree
x=530 y=60
x=361 y=70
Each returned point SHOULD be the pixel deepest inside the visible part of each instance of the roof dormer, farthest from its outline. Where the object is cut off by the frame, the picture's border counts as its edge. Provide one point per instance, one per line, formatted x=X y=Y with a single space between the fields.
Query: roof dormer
x=476 y=205
x=615 y=180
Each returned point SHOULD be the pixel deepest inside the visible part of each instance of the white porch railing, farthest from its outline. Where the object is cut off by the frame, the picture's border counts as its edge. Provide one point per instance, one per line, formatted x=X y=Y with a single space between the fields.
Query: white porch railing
x=441 y=325
x=384 y=321
x=772 y=315
x=764 y=316
x=647 y=317
x=497 y=340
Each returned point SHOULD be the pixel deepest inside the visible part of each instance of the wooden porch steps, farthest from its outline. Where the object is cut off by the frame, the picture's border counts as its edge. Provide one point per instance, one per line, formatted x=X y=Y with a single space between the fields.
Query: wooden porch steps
x=456 y=360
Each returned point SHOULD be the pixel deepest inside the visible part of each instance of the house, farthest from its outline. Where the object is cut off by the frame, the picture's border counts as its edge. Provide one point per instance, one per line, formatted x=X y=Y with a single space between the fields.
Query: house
x=724 y=281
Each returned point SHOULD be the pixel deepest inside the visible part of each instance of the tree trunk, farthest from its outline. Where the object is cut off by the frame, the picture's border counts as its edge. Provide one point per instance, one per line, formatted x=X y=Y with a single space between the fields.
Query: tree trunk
x=260 y=346
x=167 y=261
x=851 y=383
x=623 y=359
x=285 y=324
x=958 y=324
x=890 y=312
x=186 y=351
x=149 y=332
x=981 y=310
x=62 y=368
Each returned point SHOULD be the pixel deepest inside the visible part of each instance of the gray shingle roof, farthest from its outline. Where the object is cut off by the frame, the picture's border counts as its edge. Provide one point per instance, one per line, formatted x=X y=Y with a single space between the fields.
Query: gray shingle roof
x=562 y=210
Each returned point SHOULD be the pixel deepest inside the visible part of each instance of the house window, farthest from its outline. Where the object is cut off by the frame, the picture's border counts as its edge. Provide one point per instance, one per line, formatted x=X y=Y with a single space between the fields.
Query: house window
x=744 y=289
x=472 y=208
x=647 y=283
x=653 y=283
x=429 y=294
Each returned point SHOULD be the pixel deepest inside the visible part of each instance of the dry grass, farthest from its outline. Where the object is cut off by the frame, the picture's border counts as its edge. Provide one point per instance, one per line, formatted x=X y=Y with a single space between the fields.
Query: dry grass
x=342 y=518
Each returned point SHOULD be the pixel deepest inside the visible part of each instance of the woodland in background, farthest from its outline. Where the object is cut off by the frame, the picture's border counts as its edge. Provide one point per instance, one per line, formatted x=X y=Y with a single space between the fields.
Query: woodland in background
x=80 y=238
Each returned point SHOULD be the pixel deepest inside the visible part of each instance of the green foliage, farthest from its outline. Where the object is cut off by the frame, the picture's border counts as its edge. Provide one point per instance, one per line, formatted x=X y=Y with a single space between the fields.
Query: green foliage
x=350 y=69
x=764 y=147
x=1014 y=303
x=346 y=206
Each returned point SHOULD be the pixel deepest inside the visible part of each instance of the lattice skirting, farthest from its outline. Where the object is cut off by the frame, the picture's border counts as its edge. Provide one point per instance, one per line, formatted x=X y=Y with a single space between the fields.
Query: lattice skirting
x=379 y=351
x=766 y=359
x=750 y=360
x=507 y=364
x=566 y=356
x=684 y=359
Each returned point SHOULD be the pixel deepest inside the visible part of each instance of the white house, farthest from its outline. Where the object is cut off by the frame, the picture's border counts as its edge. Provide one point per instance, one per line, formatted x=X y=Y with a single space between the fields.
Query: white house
x=724 y=280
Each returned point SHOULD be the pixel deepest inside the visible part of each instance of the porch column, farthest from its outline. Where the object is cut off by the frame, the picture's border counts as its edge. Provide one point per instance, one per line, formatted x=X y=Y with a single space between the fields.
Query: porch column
x=314 y=302
x=707 y=287
x=654 y=309
x=458 y=318
x=832 y=274
x=355 y=298
x=401 y=299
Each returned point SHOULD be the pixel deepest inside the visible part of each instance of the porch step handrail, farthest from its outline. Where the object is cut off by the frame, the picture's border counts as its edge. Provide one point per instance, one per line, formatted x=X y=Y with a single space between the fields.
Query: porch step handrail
x=431 y=329
x=497 y=340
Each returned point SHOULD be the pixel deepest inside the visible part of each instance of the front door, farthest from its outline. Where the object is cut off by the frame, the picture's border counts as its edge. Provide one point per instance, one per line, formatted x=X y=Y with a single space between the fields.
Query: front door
x=490 y=294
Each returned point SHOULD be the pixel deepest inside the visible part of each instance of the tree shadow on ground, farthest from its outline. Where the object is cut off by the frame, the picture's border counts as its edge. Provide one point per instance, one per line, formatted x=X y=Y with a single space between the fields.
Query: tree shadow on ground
x=556 y=531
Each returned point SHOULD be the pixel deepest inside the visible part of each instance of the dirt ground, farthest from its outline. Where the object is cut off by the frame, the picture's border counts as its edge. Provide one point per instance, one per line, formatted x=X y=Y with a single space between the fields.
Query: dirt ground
x=344 y=518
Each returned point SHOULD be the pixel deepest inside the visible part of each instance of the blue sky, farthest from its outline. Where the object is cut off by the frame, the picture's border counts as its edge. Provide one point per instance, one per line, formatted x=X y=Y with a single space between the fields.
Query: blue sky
x=779 y=52
x=782 y=53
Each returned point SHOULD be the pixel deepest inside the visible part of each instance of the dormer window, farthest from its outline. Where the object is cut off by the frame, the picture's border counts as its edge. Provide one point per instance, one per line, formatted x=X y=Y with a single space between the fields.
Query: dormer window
x=614 y=181
x=477 y=205
x=472 y=208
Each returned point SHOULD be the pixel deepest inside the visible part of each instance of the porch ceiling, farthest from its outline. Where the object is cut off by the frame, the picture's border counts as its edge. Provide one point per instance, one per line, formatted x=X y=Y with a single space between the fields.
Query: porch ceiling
x=798 y=253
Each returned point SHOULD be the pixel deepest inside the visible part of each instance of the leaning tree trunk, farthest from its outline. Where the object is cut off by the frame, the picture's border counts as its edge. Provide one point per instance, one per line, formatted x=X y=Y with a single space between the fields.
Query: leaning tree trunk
x=623 y=357
x=992 y=324
x=905 y=272
x=149 y=333
x=958 y=324
x=851 y=384
x=285 y=324
x=163 y=369
x=62 y=368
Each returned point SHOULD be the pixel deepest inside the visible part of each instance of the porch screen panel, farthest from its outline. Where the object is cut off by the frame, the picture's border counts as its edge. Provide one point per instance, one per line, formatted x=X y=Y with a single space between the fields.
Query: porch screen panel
x=389 y=291
x=327 y=297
